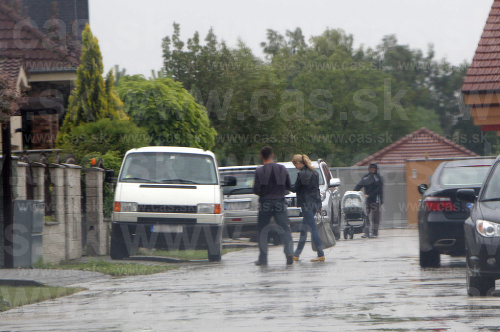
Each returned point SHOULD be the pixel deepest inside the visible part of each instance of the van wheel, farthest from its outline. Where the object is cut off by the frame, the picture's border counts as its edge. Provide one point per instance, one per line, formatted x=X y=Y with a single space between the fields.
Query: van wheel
x=431 y=258
x=118 y=247
x=215 y=254
x=215 y=251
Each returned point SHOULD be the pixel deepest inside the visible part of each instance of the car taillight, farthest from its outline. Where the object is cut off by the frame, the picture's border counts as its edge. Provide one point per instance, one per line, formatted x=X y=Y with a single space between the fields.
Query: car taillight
x=439 y=204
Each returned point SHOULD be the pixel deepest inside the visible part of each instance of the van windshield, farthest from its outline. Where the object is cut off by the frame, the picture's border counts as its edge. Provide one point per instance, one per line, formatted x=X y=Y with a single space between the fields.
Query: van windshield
x=165 y=167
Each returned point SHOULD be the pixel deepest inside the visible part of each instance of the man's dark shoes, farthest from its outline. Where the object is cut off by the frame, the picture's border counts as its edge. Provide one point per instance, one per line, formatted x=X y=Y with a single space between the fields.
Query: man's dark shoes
x=259 y=263
x=289 y=259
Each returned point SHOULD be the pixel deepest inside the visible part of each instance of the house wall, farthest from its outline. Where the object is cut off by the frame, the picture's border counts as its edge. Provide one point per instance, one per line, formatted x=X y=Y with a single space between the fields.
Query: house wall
x=418 y=172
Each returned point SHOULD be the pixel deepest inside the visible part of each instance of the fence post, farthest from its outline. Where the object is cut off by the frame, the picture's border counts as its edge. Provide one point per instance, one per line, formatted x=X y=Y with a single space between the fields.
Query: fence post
x=97 y=231
x=73 y=217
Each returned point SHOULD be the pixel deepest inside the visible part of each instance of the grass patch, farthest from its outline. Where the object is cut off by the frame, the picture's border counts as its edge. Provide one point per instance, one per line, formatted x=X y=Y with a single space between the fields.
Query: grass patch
x=16 y=296
x=189 y=254
x=111 y=268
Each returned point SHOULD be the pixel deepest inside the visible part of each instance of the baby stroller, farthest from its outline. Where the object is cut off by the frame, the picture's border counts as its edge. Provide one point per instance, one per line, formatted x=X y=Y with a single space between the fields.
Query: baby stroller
x=354 y=213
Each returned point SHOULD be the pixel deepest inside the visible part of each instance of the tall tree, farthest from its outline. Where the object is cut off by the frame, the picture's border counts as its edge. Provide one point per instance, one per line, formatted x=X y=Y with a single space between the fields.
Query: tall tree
x=91 y=100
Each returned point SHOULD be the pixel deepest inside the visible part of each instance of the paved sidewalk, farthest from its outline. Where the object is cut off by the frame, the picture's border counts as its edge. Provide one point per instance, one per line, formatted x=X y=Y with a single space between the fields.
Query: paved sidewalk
x=48 y=277
x=55 y=277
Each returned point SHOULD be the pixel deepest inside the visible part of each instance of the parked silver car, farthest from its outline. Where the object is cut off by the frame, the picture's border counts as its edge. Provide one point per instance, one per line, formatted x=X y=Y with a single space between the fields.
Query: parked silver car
x=241 y=205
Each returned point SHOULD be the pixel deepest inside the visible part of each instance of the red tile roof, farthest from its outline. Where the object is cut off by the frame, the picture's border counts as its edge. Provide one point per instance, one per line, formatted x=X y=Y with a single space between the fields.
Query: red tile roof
x=19 y=40
x=484 y=72
x=420 y=144
x=11 y=68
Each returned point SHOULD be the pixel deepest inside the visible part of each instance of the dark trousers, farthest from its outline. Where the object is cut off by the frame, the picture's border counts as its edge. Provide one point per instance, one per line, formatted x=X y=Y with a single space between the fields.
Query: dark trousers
x=273 y=208
x=373 y=210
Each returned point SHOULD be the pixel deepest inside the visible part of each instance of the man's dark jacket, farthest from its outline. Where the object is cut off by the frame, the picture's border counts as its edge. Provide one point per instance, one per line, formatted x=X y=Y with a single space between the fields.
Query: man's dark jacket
x=271 y=181
x=373 y=184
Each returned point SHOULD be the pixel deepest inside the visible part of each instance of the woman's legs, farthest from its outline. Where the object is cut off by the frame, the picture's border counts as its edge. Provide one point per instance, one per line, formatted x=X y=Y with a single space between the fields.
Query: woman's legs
x=302 y=240
x=309 y=220
x=308 y=223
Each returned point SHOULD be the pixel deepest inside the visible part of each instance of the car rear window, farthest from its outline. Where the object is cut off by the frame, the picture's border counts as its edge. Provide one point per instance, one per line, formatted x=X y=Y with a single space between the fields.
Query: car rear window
x=463 y=175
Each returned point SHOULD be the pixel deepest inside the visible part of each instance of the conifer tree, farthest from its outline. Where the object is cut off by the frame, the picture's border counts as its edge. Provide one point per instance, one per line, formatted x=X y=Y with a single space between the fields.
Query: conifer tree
x=92 y=98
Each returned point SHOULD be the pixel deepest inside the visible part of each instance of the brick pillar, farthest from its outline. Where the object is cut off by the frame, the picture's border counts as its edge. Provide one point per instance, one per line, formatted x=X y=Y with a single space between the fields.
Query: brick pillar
x=97 y=230
x=73 y=212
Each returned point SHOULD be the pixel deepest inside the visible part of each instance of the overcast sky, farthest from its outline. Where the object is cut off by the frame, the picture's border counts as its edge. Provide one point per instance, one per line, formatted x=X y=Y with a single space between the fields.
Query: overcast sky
x=130 y=32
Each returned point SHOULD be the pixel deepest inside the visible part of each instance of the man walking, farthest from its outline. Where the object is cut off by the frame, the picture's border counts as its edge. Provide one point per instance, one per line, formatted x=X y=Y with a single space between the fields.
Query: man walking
x=373 y=184
x=270 y=184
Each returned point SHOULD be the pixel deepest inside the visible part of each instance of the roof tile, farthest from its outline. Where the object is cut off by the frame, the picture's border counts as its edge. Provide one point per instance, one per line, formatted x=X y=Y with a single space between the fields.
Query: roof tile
x=483 y=74
x=18 y=40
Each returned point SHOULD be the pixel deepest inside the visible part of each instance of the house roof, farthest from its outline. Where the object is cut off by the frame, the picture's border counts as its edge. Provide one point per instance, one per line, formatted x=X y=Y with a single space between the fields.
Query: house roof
x=484 y=73
x=73 y=14
x=11 y=68
x=20 y=40
x=14 y=70
x=422 y=143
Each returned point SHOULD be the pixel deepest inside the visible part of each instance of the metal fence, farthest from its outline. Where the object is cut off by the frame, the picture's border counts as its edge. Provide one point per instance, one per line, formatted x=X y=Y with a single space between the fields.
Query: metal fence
x=394 y=212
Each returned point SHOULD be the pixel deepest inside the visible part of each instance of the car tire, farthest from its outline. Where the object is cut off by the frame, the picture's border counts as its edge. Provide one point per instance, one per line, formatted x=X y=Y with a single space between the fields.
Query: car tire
x=431 y=258
x=476 y=285
x=335 y=224
x=215 y=251
x=118 y=248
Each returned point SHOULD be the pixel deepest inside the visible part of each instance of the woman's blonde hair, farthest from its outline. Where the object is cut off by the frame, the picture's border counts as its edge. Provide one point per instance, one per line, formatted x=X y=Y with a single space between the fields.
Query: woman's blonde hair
x=304 y=159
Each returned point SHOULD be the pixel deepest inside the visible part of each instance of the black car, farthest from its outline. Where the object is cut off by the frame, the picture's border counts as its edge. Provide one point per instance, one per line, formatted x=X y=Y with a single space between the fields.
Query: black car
x=482 y=234
x=441 y=215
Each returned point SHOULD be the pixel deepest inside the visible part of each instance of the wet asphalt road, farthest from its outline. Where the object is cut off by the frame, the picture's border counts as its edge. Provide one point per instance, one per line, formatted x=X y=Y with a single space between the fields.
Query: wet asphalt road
x=365 y=284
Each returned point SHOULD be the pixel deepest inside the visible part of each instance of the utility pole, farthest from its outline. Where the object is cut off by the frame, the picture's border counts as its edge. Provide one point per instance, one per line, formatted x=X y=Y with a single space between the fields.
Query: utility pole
x=8 y=207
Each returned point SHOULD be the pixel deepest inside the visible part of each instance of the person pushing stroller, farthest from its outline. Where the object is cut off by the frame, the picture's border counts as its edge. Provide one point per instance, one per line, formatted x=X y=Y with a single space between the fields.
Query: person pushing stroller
x=373 y=185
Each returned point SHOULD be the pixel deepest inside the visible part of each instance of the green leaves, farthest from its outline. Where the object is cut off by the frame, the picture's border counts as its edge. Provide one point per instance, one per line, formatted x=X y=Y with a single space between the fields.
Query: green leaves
x=167 y=111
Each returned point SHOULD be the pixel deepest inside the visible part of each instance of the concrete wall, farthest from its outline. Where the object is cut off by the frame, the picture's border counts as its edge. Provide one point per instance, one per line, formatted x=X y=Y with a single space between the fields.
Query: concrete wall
x=62 y=230
x=394 y=210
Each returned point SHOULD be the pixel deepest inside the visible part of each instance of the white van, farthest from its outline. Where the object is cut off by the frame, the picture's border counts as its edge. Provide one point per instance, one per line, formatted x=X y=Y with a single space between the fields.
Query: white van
x=169 y=198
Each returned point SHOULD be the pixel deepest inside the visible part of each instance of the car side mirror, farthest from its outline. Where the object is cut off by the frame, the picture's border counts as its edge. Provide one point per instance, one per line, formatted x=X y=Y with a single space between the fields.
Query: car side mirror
x=109 y=176
x=422 y=188
x=229 y=181
x=467 y=195
x=334 y=182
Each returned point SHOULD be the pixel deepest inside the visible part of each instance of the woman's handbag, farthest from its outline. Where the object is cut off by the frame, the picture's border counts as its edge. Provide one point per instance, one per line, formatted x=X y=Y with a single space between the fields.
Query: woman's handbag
x=325 y=233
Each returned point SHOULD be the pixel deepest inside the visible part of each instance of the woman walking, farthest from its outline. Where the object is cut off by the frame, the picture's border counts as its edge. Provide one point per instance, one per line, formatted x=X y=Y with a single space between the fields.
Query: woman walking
x=308 y=198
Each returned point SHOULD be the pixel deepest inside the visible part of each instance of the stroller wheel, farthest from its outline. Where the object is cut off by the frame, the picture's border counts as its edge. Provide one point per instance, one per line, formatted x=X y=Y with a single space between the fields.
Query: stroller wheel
x=346 y=233
x=351 y=234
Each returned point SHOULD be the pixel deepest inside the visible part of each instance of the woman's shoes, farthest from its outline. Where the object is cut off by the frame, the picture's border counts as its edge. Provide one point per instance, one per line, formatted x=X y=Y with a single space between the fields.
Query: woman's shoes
x=296 y=258
x=318 y=259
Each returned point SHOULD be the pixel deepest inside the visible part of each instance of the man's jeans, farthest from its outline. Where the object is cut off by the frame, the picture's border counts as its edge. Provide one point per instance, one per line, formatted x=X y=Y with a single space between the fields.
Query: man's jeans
x=308 y=223
x=273 y=208
x=373 y=211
